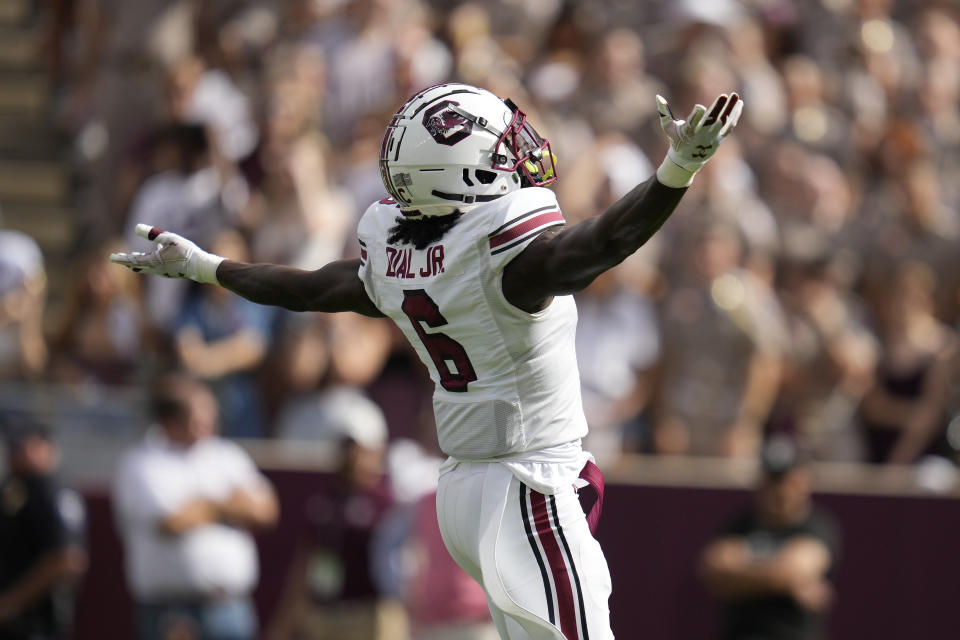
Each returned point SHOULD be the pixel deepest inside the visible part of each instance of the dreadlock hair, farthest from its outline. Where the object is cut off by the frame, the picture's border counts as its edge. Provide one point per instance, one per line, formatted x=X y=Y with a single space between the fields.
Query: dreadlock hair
x=422 y=232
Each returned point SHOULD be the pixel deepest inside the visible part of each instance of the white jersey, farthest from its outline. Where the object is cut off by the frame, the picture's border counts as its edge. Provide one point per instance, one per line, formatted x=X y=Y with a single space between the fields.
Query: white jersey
x=505 y=381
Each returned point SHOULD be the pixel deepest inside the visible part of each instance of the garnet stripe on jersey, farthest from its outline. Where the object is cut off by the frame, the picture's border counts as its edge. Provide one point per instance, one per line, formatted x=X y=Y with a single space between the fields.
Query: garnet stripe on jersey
x=558 y=566
x=526 y=237
x=552 y=217
x=573 y=569
x=536 y=553
x=517 y=219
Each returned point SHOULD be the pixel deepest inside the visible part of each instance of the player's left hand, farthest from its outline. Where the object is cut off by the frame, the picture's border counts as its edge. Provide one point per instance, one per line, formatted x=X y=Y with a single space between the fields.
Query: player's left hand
x=174 y=257
x=694 y=141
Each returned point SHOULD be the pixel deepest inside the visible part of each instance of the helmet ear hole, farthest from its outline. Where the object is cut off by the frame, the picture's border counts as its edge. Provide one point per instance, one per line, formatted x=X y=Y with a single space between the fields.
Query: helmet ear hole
x=484 y=176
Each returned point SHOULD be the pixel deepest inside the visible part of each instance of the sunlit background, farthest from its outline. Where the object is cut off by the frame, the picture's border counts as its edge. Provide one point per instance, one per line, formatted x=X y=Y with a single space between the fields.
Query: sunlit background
x=807 y=286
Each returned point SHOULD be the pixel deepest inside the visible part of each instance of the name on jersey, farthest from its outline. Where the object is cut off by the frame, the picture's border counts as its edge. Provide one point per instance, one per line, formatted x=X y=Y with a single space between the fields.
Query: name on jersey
x=400 y=262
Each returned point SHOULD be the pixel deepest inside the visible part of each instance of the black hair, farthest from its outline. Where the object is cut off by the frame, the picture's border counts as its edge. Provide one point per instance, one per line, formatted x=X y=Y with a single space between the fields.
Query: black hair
x=422 y=232
x=190 y=141
x=17 y=427
x=170 y=400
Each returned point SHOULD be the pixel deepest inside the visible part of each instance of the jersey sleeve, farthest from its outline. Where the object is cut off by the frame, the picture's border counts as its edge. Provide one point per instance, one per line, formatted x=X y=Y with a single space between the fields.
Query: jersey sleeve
x=72 y=514
x=533 y=211
x=366 y=229
x=54 y=519
x=824 y=528
x=138 y=500
x=238 y=469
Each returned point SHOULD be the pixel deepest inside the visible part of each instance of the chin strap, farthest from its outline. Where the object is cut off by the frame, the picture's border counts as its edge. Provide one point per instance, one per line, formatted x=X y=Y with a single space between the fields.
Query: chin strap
x=465 y=199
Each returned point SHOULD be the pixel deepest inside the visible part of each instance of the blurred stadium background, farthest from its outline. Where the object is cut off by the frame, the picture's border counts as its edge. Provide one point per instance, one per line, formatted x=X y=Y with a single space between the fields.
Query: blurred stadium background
x=807 y=285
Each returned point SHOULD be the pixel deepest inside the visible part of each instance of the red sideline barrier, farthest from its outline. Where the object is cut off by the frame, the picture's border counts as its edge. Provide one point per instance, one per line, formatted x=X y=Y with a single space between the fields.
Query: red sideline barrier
x=896 y=579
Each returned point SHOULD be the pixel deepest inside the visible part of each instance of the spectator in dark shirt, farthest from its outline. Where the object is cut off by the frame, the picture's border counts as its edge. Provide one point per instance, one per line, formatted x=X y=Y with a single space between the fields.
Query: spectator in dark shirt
x=770 y=565
x=331 y=590
x=905 y=414
x=41 y=531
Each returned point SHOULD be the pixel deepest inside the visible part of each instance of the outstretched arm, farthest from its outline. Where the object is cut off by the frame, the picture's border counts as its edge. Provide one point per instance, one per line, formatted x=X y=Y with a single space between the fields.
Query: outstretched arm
x=564 y=262
x=333 y=287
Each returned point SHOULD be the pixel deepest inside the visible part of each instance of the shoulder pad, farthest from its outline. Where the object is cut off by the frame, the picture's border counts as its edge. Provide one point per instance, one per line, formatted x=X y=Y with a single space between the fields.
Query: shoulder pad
x=522 y=216
x=379 y=214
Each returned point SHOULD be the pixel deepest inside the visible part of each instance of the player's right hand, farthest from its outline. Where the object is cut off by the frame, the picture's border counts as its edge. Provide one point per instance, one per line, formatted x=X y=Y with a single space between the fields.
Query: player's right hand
x=694 y=141
x=174 y=257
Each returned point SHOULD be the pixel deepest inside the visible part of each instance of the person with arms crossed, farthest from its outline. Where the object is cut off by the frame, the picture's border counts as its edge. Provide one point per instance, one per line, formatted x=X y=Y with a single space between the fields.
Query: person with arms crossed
x=771 y=564
x=185 y=501
x=467 y=256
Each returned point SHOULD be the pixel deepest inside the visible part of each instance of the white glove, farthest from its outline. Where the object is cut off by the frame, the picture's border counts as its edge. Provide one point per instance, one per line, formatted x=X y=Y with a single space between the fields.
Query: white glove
x=174 y=257
x=694 y=140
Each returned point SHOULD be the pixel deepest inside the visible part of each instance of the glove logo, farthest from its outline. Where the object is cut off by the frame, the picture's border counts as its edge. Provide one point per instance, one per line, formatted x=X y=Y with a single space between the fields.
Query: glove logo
x=702 y=151
x=446 y=126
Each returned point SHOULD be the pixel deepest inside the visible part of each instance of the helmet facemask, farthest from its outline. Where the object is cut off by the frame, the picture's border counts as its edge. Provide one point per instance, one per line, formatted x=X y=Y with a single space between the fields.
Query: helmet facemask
x=521 y=148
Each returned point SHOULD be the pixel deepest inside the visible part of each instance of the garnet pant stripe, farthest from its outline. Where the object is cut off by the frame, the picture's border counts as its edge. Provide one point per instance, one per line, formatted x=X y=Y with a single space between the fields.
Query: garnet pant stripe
x=536 y=551
x=558 y=568
x=546 y=531
x=573 y=568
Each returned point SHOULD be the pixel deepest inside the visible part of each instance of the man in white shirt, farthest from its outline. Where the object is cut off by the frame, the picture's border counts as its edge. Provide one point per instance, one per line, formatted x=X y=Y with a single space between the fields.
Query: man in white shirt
x=185 y=501
x=23 y=286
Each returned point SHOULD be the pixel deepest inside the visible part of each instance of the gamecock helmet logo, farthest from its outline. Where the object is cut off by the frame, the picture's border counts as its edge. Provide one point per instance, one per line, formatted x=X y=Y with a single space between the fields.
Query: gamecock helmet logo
x=445 y=125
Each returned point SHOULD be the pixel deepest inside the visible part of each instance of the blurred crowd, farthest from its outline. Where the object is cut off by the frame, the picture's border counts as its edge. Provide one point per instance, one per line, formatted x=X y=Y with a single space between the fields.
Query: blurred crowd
x=804 y=286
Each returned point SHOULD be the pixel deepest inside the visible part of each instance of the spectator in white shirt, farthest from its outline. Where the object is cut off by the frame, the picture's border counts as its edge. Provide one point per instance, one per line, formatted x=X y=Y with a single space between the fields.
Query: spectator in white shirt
x=186 y=501
x=23 y=288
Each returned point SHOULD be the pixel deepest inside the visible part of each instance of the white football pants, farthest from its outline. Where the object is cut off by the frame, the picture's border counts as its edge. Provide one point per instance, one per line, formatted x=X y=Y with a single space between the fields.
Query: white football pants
x=544 y=575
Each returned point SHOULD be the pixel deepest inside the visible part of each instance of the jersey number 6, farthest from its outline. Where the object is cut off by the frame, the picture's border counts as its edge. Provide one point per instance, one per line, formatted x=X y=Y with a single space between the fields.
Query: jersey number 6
x=421 y=309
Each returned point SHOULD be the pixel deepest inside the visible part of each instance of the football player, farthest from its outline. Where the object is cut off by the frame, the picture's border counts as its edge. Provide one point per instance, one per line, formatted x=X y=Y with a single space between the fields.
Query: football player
x=470 y=257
